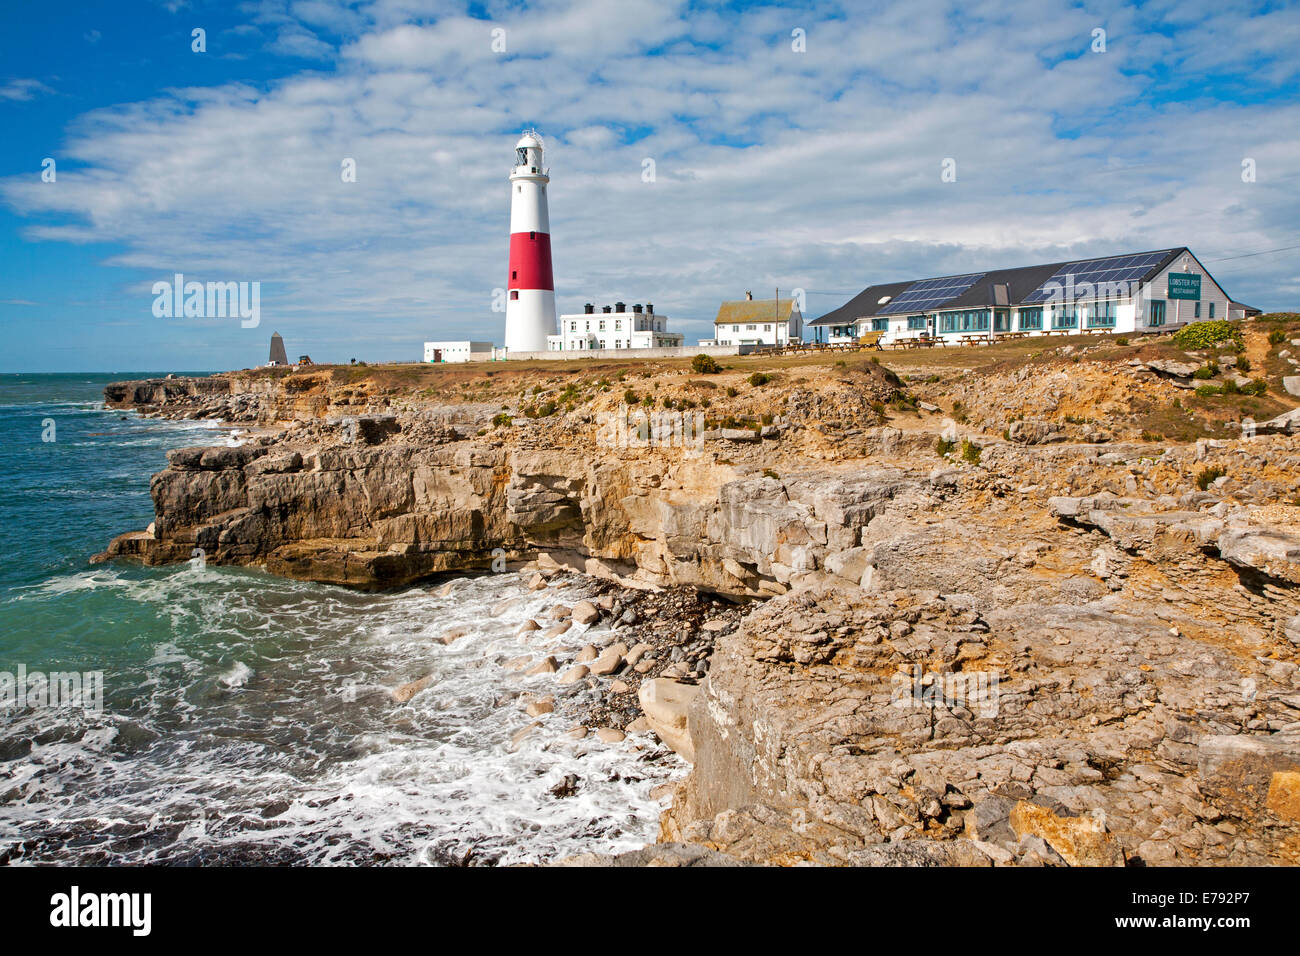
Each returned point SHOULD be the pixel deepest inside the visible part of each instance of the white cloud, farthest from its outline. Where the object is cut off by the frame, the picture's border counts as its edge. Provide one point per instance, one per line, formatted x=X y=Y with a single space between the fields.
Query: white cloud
x=819 y=170
x=20 y=89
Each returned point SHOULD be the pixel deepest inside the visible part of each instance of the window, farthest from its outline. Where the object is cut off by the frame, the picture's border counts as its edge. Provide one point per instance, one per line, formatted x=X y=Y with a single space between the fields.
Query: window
x=618 y=325
x=969 y=320
x=602 y=325
x=735 y=328
x=514 y=273
x=1157 y=312
x=532 y=236
x=1102 y=315
x=1002 y=320
x=767 y=328
x=573 y=326
x=880 y=325
x=751 y=328
x=1031 y=320
x=1196 y=312
x=1211 y=310
x=1065 y=317
x=916 y=323
x=514 y=293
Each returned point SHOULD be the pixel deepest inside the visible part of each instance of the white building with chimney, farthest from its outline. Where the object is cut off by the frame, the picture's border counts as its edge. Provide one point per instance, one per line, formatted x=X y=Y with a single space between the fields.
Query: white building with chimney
x=614 y=327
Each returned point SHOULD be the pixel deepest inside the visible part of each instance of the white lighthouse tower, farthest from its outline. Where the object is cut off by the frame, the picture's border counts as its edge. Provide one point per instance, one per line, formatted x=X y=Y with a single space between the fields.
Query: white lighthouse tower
x=530 y=303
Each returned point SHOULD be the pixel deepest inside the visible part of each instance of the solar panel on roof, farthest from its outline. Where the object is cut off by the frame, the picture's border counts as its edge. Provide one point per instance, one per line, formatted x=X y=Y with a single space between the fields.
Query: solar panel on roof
x=1096 y=272
x=929 y=293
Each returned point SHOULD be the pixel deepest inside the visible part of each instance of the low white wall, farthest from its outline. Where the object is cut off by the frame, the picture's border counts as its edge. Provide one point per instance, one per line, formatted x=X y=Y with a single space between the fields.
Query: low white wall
x=686 y=351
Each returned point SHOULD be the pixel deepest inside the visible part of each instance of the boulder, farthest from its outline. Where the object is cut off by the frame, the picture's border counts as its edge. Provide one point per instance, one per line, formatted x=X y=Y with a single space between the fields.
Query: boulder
x=454 y=634
x=546 y=665
x=584 y=612
x=1171 y=368
x=852 y=565
x=989 y=820
x=610 y=660
x=665 y=703
x=1081 y=841
x=574 y=674
x=406 y=691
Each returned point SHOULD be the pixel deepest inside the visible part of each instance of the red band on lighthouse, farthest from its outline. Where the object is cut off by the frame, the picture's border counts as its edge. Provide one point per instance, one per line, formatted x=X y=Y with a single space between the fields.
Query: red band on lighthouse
x=530 y=261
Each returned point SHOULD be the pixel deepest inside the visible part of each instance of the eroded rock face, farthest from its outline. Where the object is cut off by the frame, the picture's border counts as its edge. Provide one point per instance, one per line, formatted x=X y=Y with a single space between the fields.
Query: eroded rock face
x=1078 y=728
x=1061 y=655
x=378 y=501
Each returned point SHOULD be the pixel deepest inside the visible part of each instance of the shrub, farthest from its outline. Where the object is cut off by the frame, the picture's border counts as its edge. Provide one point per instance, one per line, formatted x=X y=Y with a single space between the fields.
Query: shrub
x=1257 y=387
x=731 y=392
x=1152 y=436
x=501 y=420
x=1208 y=391
x=970 y=451
x=1208 y=476
x=959 y=412
x=630 y=397
x=545 y=410
x=1122 y=340
x=1243 y=364
x=943 y=447
x=705 y=365
x=759 y=378
x=1202 y=335
x=1209 y=370
x=769 y=473
x=1277 y=337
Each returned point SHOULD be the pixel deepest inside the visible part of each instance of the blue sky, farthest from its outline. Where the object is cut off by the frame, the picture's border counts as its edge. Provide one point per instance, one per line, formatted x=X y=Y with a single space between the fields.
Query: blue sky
x=818 y=169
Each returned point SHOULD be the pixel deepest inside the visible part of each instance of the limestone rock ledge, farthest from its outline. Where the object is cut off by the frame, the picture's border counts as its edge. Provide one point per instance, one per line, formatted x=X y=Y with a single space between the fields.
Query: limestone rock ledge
x=1059 y=655
x=842 y=726
x=382 y=501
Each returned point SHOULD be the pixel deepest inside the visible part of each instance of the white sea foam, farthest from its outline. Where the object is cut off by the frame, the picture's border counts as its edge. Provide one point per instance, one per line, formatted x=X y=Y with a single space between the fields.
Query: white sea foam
x=265 y=726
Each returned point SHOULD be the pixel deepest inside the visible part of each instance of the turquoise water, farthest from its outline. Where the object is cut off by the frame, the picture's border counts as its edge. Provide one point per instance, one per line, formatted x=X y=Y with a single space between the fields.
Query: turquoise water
x=248 y=719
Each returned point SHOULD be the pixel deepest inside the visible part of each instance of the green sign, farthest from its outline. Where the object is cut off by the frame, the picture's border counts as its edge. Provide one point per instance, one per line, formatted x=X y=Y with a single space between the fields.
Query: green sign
x=1184 y=285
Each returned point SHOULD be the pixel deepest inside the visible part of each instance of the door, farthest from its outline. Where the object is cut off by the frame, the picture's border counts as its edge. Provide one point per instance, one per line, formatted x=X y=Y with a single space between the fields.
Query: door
x=1157 y=311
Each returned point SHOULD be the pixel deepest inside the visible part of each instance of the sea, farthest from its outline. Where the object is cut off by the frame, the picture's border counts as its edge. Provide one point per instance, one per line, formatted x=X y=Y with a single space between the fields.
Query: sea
x=243 y=718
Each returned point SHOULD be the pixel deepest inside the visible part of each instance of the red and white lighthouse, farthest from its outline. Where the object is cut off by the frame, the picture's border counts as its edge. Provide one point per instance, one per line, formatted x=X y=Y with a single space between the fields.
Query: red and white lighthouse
x=530 y=306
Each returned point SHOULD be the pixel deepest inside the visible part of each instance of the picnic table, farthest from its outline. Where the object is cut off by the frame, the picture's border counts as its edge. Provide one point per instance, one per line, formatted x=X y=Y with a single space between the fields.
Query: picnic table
x=973 y=339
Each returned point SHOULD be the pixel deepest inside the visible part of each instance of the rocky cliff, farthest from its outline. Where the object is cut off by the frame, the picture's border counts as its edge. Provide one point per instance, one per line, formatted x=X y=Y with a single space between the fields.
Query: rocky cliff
x=960 y=648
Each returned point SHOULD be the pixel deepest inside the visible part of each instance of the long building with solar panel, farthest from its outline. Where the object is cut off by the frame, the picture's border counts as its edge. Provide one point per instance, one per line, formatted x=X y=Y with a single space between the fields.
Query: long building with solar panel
x=1139 y=292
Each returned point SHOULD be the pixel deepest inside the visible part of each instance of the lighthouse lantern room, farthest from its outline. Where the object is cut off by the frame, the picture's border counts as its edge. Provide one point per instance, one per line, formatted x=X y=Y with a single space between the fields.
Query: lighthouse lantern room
x=530 y=302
